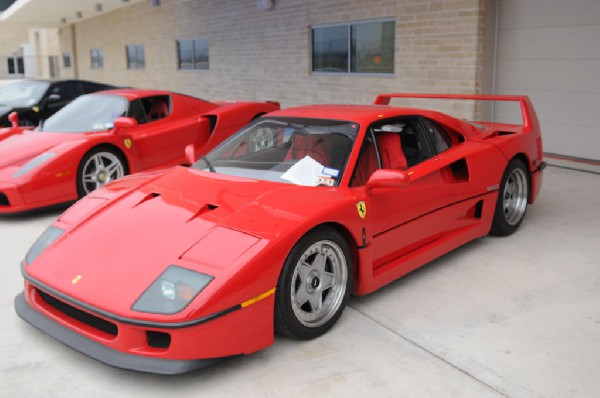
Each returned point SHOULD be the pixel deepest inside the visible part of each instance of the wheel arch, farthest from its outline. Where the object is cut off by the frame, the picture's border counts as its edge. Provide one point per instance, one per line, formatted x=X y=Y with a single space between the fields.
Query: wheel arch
x=523 y=158
x=119 y=151
x=352 y=244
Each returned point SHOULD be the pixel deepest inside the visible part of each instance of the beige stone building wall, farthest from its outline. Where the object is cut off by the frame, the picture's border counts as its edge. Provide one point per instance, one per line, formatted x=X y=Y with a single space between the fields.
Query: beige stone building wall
x=47 y=47
x=259 y=55
x=11 y=37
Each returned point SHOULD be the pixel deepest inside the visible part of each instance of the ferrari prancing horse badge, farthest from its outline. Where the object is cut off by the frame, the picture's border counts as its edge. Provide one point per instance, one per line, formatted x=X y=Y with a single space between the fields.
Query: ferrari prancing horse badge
x=127 y=143
x=362 y=209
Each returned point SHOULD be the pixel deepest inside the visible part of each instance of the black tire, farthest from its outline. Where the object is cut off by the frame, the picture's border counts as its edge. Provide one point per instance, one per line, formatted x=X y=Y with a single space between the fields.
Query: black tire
x=307 y=282
x=513 y=196
x=109 y=158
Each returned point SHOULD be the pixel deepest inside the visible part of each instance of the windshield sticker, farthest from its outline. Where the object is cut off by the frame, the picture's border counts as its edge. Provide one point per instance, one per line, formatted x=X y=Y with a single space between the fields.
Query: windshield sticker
x=324 y=180
x=328 y=171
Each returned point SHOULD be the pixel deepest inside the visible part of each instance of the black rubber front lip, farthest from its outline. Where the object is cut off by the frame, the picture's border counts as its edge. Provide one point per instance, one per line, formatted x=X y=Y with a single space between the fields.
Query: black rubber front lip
x=103 y=353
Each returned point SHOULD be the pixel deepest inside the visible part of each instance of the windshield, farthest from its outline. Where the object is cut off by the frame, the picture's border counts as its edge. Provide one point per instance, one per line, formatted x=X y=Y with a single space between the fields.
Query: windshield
x=93 y=112
x=23 y=94
x=298 y=151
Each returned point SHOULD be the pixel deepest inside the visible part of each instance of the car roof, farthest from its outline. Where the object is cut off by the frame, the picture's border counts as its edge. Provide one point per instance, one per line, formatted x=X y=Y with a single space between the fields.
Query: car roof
x=131 y=93
x=355 y=113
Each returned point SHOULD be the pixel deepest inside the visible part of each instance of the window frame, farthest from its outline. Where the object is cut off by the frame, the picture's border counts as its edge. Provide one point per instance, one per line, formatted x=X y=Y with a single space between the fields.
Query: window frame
x=349 y=26
x=135 y=64
x=96 y=58
x=194 y=62
x=16 y=63
x=67 y=59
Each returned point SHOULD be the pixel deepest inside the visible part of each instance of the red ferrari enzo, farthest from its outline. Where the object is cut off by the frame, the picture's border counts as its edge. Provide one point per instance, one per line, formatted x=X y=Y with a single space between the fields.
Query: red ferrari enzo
x=103 y=136
x=273 y=229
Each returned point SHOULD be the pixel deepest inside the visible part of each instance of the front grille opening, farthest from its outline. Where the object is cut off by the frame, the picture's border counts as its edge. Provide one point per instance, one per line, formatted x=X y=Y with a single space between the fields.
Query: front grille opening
x=4 y=200
x=81 y=316
x=158 y=339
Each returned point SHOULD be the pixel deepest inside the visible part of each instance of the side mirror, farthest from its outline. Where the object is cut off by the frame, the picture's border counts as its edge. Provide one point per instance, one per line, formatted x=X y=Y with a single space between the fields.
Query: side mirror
x=190 y=154
x=122 y=123
x=388 y=179
x=13 y=118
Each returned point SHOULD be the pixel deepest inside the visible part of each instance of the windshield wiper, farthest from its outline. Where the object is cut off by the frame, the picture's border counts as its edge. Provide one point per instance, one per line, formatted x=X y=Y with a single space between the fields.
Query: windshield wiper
x=210 y=167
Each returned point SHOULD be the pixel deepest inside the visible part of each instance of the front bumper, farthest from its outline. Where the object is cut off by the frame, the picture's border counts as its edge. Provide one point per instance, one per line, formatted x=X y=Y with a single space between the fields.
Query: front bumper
x=153 y=347
x=103 y=353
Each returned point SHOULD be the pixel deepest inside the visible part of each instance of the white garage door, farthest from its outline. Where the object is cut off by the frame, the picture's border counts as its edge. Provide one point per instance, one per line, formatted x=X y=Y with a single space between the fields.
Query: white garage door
x=550 y=50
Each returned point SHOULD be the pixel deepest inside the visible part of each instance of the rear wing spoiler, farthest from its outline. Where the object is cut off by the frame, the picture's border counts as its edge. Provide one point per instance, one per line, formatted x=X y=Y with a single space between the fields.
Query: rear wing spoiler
x=528 y=113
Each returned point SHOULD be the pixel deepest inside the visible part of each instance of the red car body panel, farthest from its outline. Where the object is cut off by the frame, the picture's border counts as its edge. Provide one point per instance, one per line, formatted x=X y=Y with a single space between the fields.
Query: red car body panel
x=153 y=145
x=240 y=231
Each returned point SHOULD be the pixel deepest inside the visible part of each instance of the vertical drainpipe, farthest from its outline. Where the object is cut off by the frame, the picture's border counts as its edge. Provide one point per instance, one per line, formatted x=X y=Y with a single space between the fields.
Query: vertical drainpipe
x=75 y=60
x=488 y=76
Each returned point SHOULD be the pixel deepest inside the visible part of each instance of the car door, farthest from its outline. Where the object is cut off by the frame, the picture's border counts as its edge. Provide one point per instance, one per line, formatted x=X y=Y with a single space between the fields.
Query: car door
x=434 y=203
x=161 y=135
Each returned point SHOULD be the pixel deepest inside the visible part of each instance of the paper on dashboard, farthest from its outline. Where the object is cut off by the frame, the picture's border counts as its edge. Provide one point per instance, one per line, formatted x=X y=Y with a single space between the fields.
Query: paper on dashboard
x=306 y=171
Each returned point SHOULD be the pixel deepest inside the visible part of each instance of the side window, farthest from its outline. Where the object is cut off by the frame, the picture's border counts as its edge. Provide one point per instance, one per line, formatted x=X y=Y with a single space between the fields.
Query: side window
x=401 y=143
x=136 y=111
x=393 y=144
x=92 y=87
x=67 y=91
x=156 y=108
x=367 y=164
x=439 y=139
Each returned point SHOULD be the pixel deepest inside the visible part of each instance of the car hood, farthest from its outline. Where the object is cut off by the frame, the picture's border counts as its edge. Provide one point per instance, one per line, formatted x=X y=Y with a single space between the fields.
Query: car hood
x=120 y=251
x=19 y=148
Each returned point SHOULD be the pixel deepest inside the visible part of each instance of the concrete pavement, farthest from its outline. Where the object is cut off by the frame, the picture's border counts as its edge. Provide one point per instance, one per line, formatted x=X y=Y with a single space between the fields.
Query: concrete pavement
x=516 y=316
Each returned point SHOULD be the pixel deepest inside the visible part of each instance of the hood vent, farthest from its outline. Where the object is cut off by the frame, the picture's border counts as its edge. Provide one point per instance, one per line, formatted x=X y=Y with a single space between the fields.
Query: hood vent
x=146 y=198
x=204 y=209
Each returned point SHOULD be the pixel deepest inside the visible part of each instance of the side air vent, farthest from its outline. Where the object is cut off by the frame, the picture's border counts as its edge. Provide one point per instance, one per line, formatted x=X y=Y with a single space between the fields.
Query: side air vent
x=212 y=120
x=460 y=170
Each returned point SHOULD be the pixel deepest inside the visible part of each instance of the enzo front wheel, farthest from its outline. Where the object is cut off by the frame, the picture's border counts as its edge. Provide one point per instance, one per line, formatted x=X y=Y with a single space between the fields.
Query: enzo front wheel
x=98 y=167
x=314 y=285
x=512 y=199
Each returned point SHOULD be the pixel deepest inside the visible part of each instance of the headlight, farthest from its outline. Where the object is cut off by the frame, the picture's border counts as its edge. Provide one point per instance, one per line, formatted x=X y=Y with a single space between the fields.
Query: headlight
x=45 y=240
x=172 y=291
x=33 y=163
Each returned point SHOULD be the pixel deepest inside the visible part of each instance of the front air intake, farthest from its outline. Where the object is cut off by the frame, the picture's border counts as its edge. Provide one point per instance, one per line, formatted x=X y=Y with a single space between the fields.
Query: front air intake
x=4 y=200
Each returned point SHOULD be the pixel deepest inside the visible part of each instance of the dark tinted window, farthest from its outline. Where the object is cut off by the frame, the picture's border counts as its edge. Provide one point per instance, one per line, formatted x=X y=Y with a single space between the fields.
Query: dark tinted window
x=67 y=91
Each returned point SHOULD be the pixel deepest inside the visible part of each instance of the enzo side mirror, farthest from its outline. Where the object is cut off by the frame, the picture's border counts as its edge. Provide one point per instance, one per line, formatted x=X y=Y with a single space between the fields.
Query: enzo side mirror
x=13 y=118
x=122 y=123
x=190 y=154
x=388 y=179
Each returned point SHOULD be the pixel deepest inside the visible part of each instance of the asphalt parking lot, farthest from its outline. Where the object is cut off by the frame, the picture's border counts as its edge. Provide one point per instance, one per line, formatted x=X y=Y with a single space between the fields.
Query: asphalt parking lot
x=516 y=316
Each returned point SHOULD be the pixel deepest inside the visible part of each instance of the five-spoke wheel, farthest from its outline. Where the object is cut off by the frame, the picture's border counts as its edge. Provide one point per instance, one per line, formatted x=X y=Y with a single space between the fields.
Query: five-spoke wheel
x=314 y=284
x=99 y=167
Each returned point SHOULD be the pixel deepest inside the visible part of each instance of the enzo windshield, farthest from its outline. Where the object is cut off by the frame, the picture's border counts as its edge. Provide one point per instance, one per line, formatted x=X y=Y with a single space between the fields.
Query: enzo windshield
x=298 y=151
x=23 y=94
x=93 y=112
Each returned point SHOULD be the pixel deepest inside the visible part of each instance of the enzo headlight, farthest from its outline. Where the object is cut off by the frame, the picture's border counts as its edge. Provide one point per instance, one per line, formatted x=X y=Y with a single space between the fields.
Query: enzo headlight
x=45 y=240
x=33 y=163
x=172 y=291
